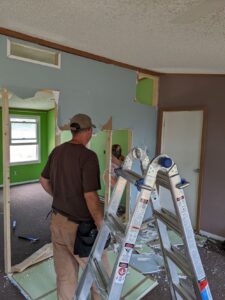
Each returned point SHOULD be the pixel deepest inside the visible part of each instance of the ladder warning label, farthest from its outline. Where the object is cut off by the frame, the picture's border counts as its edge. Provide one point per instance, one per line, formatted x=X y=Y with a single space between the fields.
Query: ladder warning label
x=121 y=271
x=123 y=265
x=128 y=245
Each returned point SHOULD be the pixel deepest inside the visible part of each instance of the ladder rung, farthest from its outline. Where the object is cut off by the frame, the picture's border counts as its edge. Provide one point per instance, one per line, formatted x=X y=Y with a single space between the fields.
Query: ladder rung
x=184 y=292
x=129 y=175
x=163 y=180
x=183 y=184
x=179 y=260
x=133 y=178
x=99 y=273
x=168 y=219
x=117 y=228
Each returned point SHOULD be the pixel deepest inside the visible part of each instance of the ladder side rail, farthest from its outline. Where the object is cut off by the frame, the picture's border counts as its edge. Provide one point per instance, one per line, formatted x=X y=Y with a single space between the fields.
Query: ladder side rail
x=87 y=279
x=120 y=186
x=170 y=266
x=134 y=154
x=121 y=266
x=116 y=195
x=95 y=261
x=88 y=275
x=183 y=293
x=133 y=228
x=169 y=256
x=188 y=236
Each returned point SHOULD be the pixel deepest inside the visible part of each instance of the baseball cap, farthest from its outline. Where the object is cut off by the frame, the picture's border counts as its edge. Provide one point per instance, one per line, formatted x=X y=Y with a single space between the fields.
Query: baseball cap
x=81 y=121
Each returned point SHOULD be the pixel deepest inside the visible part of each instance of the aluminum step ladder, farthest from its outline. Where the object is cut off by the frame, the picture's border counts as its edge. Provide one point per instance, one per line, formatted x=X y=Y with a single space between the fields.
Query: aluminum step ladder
x=160 y=171
x=186 y=258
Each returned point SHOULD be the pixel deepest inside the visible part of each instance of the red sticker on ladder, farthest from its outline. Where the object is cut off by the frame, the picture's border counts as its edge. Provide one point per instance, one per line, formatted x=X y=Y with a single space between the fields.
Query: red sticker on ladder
x=202 y=284
x=122 y=271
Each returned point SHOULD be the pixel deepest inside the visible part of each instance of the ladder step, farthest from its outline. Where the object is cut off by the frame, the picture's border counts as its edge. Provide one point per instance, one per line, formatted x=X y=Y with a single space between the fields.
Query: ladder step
x=184 y=291
x=100 y=275
x=179 y=260
x=133 y=178
x=167 y=217
x=162 y=179
x=117 y=229
x=129 y=175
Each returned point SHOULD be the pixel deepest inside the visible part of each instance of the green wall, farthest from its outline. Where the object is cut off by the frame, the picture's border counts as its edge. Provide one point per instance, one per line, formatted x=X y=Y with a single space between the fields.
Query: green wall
x=28 y=172
x=98 y=145
x=65 y=136
x=144 y=91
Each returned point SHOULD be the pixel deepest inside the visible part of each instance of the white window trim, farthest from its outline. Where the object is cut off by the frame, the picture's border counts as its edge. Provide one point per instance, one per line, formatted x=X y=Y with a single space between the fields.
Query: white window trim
x=38 y=139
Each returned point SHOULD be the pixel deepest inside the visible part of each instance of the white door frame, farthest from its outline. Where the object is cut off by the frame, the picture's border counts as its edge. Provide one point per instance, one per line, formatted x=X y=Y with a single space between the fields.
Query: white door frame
x=202 y=154
x=6 y=173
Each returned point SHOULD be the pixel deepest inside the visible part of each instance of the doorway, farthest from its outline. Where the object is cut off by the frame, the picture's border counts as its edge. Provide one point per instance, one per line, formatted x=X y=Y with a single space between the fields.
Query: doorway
x=24 y=124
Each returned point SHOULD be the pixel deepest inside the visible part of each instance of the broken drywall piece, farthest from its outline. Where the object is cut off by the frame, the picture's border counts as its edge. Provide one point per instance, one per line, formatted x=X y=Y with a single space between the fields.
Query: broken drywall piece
x=39 y=281
x=147 y=263
x=200 y=240
x=41 y=254
x=143 y=248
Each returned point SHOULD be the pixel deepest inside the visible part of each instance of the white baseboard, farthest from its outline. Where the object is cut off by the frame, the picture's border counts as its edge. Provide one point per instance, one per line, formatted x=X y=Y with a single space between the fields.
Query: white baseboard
x=212 y=236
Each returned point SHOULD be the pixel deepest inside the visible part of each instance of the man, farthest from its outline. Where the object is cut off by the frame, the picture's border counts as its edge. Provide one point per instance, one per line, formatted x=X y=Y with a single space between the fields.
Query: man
x=71 y=176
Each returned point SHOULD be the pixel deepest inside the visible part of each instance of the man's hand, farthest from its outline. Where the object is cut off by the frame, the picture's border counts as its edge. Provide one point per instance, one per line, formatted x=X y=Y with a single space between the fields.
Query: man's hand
x=95 y=208
x=46 y=185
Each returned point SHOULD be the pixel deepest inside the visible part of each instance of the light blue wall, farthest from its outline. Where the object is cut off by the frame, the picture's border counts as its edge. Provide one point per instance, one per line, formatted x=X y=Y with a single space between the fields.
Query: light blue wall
x=88 y=86
x=99 y=89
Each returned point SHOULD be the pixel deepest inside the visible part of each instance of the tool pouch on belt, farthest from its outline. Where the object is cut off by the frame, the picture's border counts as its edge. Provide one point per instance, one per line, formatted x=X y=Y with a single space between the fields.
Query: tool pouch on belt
x=86 y=235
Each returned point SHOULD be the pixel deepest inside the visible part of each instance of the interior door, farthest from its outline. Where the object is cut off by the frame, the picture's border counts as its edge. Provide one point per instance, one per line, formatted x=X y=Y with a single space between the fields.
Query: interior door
x=181 y=139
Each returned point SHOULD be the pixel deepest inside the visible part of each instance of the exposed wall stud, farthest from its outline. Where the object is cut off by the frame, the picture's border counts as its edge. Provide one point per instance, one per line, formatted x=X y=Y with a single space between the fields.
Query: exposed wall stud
x=6 y=181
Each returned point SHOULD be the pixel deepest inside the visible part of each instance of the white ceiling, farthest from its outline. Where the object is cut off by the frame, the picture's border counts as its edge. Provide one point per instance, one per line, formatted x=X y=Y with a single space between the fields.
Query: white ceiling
x=172 y=36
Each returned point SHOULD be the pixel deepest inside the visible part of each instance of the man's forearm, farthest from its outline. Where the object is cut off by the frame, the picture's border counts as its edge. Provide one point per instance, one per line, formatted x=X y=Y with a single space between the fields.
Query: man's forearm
x=95 y=207
x=46 y=185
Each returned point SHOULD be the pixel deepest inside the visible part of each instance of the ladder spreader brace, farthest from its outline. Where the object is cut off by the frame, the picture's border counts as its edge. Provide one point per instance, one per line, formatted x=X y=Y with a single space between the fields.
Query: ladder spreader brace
x=161 y=171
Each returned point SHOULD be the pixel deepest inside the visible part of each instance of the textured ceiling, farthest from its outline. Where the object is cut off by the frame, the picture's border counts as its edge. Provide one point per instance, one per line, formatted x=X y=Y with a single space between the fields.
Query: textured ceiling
x=172 y=36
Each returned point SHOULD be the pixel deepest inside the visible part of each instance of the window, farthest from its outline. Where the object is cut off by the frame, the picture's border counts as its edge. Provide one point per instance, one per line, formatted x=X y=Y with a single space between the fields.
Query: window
x=33 y=54
x=24 y=139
